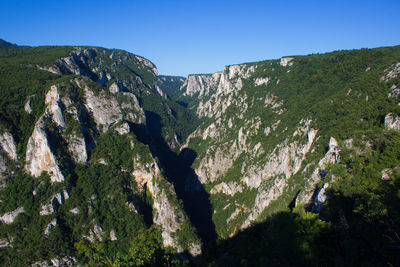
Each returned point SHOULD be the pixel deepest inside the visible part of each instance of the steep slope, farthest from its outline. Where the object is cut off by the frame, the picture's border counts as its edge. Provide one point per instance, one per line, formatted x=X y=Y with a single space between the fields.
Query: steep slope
x=271 y=129
x=5 y=44
x=77 y=120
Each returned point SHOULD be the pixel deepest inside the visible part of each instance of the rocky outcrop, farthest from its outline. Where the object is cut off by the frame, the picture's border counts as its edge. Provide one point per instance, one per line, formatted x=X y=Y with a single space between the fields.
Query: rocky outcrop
x=54 y=203
x=56 y=262
x=392 y=122
x=165 y=213
x=283 y=162
x=391 y=72
x=9 y=217
x=286 y=61
x=230 y=188
x=103 y=108
x=331 y=156
x=49 y=227
x=39 y=157
x=7 y=144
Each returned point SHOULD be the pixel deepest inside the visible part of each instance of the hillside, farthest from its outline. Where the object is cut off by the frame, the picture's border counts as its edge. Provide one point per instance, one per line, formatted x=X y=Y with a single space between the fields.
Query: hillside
x=102 y=160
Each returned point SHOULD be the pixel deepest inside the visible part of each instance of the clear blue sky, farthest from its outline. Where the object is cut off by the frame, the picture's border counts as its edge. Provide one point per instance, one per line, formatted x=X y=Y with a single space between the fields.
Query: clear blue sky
x=183 y=36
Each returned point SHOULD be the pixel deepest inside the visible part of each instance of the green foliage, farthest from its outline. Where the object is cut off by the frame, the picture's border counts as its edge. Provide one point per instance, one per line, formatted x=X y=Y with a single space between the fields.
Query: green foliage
x=145 y=249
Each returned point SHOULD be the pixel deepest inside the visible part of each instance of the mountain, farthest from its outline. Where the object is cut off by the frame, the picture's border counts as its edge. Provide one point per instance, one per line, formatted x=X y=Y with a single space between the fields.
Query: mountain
x=104 y=161
x=5 y=44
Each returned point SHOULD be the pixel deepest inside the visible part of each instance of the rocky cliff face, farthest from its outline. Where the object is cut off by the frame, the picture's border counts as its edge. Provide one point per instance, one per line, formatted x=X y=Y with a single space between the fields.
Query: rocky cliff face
x=98 y=97
x=252 y=154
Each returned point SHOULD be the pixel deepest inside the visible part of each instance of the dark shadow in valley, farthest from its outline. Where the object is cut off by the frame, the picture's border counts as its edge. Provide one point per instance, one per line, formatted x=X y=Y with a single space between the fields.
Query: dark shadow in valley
x=177 y=169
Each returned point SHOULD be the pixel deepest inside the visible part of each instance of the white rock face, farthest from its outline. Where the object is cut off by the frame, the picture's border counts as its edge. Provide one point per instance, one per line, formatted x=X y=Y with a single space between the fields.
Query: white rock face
x=331 y=156
x=260 y=81
x=395 y=91
x=114 y=88
x=230 y=188
x=74 y=210
x=197 y=84
x=55 y=201
x=7 y=144
x=39 y=157
x=53 y=109
x=392 y=122
x=9 y=217
x=104 y=109
x=49 y=227
x=113 y=237
x=286 y=61
x=391 y=72
x=134 y=111
x=27 y=106
x=77 y=148
x=123 y=128
x=56 y=262
x=283 y=162
x=320 y=198
x=169 y=217
x=216 y=92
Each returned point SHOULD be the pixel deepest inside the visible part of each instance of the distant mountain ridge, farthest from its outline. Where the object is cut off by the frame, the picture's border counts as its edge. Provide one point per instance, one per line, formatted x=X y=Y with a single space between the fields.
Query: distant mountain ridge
x=5 y=44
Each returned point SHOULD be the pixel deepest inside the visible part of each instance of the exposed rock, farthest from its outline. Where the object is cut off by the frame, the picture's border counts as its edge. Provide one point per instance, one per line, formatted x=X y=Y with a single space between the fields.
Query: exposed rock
x=27 y=106
x=283 y=162
x=195 y=84
x=54 y=108
x=6 y=243
x=331 y=156
x=49 y=227
x=8 y=145
x=230 y=188
x=77 y=148
x=233 y=215
x=56 y=262
x=39 y=156
x=260 y=81
x=286 y=61
x=9 y=217
x=133 y=110
x=386 y=173
x=55 y=202
x=395 y=91
x=165 y=214
x=104 y=109
x=113 y=237
x=114 y=88
x=392 y=122
x=391 y=72
x=123 y=128
x=319 y=198
x=74 y=210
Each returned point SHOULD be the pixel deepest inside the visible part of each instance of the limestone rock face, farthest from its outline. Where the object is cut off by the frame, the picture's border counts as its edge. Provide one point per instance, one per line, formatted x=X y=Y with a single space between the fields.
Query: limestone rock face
x=331 y=156
x=39 y=156
x=392 y=122
x=7 y=144
x=230 y=188
x=49 y=227
x=54 y=203
x=391 y=72
x=105 y=110
x=286 y=61
x=165 y=213
x=9 y=217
